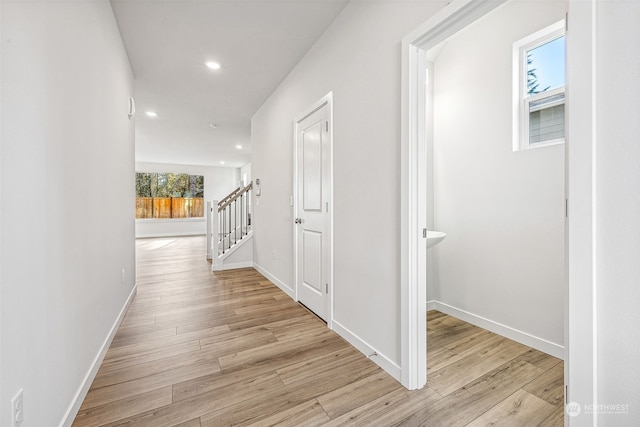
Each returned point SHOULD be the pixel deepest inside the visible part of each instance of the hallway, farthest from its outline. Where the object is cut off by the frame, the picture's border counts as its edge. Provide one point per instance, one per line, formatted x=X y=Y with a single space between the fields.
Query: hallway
x=198 y=348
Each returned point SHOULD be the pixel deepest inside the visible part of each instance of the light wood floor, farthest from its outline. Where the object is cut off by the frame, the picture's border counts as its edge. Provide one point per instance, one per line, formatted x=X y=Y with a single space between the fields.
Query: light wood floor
x=198 y=348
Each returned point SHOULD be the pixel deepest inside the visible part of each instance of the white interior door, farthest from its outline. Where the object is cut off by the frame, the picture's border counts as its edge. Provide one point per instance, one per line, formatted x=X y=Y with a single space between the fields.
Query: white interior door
x=312 y=209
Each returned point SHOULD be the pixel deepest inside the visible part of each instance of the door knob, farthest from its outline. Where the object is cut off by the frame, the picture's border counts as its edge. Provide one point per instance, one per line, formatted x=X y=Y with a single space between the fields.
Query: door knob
x=298 y=221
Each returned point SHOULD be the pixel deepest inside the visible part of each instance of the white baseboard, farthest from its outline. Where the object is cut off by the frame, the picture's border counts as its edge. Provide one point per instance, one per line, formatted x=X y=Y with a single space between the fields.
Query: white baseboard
x=232 y=265
x=287 y=290
x=529 y=340
x=174 y=234
x=73 y=409
x=375 y=356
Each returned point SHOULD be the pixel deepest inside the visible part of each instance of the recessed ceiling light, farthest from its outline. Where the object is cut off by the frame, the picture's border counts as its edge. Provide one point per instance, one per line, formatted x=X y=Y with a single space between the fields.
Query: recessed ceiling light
x=222 y=162
x=239 y=147
x=151 y=114
x=213 y=65
x=212 y=126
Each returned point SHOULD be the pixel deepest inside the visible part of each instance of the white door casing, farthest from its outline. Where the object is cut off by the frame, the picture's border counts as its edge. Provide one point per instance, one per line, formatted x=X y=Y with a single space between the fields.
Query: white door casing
x=580 y=333
x=457 y=15
x=313 y=208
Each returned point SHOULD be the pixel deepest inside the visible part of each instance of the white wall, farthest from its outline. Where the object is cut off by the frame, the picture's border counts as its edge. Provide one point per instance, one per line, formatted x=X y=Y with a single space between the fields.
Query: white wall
x=218 y=182
x=358 y=58
x=618 y=210
x=503 y=211
x=1 y=283
x=246 y=169
x=67 y=174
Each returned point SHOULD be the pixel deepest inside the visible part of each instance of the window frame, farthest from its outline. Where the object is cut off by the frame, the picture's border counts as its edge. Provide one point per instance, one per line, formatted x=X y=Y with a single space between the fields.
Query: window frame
x=521 y=99
x=185 y=200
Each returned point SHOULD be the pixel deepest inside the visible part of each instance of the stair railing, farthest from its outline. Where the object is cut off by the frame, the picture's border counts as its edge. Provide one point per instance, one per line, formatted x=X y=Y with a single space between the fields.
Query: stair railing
x=229 y=196
x=234 y=218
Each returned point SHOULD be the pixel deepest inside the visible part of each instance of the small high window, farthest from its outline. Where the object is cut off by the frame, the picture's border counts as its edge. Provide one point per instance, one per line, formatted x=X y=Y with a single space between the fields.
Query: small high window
x=539 y=82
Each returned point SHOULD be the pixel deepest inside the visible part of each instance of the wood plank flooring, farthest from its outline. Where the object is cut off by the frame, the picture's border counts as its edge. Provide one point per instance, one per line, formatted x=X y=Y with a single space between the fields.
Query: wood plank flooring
x=199 y=349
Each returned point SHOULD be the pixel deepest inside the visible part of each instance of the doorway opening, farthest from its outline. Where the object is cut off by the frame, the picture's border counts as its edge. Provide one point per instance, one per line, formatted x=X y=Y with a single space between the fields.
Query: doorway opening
x=421 y=48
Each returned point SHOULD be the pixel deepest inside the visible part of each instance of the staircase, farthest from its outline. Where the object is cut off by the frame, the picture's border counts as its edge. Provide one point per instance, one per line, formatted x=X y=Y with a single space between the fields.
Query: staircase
x=229 y=233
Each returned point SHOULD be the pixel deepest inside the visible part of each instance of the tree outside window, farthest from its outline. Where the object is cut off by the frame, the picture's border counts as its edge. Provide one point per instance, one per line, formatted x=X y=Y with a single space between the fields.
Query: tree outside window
x=169 y=195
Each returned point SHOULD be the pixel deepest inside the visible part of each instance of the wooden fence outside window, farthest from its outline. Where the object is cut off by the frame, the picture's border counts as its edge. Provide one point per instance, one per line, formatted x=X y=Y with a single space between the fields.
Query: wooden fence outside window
x=169 y=207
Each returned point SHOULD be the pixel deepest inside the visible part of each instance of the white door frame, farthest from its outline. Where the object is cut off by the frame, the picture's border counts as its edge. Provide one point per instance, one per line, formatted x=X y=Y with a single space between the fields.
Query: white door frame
x=580 y=156
x=328 y=101
x=457 y=15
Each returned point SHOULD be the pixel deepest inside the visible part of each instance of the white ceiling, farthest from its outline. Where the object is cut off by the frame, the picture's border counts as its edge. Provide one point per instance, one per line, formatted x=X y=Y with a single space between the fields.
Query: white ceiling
x=256 y=42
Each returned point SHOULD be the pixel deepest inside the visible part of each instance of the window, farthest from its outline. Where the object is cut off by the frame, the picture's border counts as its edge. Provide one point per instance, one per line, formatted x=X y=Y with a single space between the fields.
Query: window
x=169 y=195
x=539 y=82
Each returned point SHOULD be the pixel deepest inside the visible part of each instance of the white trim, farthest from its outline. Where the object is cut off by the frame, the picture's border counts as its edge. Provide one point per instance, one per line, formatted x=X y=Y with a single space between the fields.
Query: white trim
x=210 y=230
x=328 y=101
x=413 y=295
x=273 y=279
x=522 y=337
x=452 y=18
x=542 y=36
x=448 y=21
x=520 y=109
x=173 y=234
x=77 y=400
x=233 y=266
x=218 y=261
x=375 y=356
x=581 y=155
x=171 y=220
x=580 y=304
x=236 y=246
